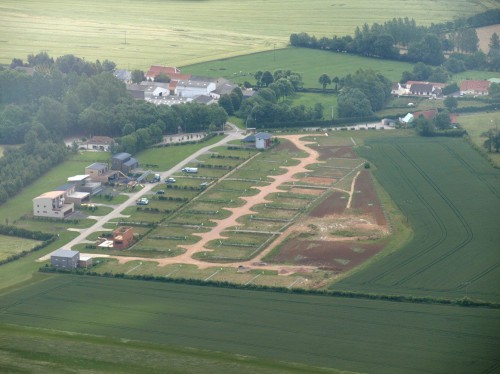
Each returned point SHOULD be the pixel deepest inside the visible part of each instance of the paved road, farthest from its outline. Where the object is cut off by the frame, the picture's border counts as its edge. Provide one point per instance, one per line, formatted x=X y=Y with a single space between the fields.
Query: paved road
x=232 y=134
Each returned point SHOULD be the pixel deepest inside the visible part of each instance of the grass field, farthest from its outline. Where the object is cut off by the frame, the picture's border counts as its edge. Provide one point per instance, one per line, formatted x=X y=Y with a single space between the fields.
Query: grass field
x=11 y=245
x=137 y=35
x=347 y=334
x=450 y=196
x=479 y=123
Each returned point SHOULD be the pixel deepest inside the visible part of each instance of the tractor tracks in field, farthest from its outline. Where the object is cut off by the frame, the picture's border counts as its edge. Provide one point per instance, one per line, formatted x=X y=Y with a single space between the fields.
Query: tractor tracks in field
x=469 y=233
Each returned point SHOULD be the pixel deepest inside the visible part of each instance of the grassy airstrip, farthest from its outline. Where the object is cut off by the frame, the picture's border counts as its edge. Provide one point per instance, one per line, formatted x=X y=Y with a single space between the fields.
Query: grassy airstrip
x=354 y=335
x=138 y=34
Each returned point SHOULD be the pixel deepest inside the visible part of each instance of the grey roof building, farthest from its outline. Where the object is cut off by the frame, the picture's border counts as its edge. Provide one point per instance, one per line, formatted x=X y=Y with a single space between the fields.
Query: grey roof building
x=65 y=259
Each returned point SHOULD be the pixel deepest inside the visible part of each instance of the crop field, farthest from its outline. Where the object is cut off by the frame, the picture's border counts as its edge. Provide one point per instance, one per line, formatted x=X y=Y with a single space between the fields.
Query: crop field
x=133 y=35
x=450 y=196
x=11 y=245
x=310 y=330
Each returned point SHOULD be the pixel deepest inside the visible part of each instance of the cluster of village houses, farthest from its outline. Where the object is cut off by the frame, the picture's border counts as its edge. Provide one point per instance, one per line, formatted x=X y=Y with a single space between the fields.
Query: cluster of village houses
x=433 y=90
x=182 y=88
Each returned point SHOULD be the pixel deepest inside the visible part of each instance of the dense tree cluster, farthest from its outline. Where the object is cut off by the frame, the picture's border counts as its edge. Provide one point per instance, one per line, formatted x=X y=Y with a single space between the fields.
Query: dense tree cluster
x=269 y=104
x=363 y=93
x=422 y=44
x=21 y=166
x=77 y=103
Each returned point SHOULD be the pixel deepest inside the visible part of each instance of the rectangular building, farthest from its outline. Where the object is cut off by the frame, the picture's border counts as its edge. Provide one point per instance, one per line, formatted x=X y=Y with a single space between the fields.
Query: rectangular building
x=53 y=205
x=65 y=259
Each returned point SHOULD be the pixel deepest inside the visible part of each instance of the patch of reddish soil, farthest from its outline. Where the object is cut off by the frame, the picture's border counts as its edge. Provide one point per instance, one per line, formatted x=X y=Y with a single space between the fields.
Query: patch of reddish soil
x=324 y=181
x=365 y=198
x=334 y=204
x=337 y=256
x=327 y=152
x=307 y=191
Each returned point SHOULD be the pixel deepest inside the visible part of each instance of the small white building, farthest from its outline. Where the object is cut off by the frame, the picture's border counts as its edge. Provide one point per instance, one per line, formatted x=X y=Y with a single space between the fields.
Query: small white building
x=53 y=205
x=192 y=88
x=263 y=140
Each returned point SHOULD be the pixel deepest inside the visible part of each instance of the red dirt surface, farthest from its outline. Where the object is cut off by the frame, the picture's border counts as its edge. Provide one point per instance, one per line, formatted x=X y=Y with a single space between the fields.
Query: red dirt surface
x=306 y=191
x=334 y=204
x=323 y=181
x=365 y=198
x=327 y=152
x=336 y=256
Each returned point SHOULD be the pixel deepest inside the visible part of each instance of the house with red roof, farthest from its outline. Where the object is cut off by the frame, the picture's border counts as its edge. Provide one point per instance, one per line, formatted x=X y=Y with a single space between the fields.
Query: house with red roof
x=474 y=87
x=154 y=70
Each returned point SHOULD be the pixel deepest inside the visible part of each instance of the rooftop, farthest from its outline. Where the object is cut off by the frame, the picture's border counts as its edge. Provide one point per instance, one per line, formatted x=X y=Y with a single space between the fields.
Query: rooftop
x=61 y=252
x=51 y=195
x=78 y=178
x=121 y=156
x=263 y=135
x=97 y=166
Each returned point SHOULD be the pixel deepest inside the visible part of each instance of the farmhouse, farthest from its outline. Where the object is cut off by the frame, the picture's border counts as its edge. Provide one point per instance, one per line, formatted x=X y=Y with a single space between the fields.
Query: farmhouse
x=65 y=259
x=137 y=91
x=123 y=75
x=224 y=87
x=192 y=88
x=53 y=205
x=155 y=70
x=123 y=237
x=474 y=87
x=124 y=162
x=99 y=143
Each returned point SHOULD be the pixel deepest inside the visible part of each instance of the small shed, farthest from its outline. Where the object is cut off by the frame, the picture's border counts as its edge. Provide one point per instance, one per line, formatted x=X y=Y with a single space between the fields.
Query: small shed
x=263 y=140
x=123 y=237
x=85 y=262
x=65 y=259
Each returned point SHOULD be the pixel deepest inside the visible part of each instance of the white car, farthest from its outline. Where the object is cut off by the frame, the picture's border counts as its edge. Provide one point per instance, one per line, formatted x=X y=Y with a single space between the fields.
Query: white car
x=170 y=180
x=143 y=201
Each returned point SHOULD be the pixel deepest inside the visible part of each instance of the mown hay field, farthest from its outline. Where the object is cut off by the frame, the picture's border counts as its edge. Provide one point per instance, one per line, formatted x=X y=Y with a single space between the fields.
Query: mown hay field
x=450 y=196
x=138 y=34
x=348 y=334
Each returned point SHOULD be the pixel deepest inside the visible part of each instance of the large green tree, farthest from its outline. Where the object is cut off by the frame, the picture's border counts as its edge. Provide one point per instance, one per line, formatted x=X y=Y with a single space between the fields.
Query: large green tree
x=352 y=102
x=324 y=80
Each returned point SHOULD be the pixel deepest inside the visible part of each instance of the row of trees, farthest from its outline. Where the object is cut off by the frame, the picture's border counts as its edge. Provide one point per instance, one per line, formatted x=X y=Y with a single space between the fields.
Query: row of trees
x=21 y=166
x=422 y=44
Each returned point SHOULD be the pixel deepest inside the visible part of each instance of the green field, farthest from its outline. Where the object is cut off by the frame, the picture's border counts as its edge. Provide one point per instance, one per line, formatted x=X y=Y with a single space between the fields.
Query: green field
x=450 y=196
x=479 y=123
x=310 y=63
x=348 y=334
x=137 y=35
x=11 y=245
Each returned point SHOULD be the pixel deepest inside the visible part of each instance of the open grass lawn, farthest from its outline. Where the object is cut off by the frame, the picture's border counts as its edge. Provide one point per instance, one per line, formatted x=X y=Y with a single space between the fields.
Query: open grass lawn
x=137 y=35
x=11 y=245
x=478 y=123
x=309 y=330
x=167 y=157
x=450 y=196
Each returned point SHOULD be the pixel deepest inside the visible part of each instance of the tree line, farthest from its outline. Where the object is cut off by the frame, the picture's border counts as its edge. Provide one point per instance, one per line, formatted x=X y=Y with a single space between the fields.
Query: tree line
x=420 y=43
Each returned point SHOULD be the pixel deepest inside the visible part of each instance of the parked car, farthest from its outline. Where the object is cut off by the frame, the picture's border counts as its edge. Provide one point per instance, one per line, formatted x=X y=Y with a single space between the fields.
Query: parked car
x=170 y=180
x=142 y=201
x=160 y=192
x=204 y=184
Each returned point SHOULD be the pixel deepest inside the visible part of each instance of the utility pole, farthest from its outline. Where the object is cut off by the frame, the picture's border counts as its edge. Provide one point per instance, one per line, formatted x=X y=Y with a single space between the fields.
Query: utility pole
x=125 y=36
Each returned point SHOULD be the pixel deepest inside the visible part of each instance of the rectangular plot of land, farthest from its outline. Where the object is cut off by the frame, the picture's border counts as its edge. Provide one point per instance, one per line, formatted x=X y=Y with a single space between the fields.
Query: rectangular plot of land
x=12 y=245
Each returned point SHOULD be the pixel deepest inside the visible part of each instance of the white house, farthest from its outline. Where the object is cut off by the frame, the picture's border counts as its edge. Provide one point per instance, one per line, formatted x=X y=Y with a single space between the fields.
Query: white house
x=53 y=205
x=192 y=88
x=263 y=140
